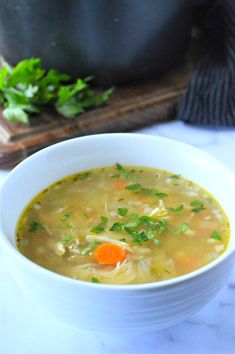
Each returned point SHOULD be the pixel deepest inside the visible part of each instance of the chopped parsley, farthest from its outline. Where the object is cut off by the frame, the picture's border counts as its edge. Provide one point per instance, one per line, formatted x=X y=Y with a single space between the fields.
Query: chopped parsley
x=124 y=172
x=95 y=280
x=89 y=248
x=216 y=235
x=122 y=211
x=34 y=226
x=140 y=228
x=179 y=230
x=122 y=239
x=177 y=209
x=101 y=227
x=134 y=187
x=145 y=191
x=116 y=227
x=83 y=176
x=66 y=240
x=197 y=205
x=156 y=241
x=66 y=216
x=152 y=228
x=175 y=176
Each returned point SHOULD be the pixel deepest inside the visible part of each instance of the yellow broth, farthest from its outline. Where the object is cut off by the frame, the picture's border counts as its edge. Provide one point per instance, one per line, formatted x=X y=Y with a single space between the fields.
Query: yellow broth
x=165 y=224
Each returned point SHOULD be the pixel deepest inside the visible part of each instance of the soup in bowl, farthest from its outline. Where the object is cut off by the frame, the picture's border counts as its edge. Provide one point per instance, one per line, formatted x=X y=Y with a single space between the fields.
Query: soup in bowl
x=119 y=232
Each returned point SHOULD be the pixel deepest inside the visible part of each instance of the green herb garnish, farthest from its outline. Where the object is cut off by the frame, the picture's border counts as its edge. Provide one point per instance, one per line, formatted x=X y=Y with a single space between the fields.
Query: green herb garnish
x=181 y=229
x=122 y=211
x=153 y=227
x=83 y=176
x=89 y=248
x=124 y=172
x=198 y=206
x=156 y=241
x=177 y=209
x=28 y=88
x=66 y=240
x=116 y=227
x=136 y=187
x=95 y=280
x=101 y=227
x=175 y=176
x=216 y=235
x=34 y=226
x=66 y=216
x=122 y=239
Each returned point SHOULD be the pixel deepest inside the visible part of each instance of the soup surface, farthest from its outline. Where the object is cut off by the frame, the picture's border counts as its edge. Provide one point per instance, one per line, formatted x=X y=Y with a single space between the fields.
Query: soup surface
x=123 y=225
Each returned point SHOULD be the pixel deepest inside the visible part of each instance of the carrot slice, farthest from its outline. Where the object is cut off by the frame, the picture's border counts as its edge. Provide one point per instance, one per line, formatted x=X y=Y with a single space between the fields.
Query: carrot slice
x=109 y=254
x=119 y=184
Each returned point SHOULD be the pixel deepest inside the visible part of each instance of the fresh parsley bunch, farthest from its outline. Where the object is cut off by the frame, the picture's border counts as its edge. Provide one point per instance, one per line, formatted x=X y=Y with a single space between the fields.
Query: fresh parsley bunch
x=28 y=88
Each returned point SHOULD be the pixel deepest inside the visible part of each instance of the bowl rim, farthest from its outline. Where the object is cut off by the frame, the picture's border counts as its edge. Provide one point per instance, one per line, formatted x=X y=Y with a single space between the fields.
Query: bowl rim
x=116 y=287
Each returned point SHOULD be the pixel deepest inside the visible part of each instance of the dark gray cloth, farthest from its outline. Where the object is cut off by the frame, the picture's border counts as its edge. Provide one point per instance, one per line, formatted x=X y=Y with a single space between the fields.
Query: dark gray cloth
x=210 y=96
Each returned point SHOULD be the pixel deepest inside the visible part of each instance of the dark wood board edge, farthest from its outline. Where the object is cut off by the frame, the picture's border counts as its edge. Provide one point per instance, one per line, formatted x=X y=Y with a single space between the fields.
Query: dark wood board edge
x=11 y=157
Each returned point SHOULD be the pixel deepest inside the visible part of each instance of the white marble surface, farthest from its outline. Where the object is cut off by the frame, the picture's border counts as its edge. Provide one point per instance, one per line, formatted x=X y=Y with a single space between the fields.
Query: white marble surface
x=25 y=329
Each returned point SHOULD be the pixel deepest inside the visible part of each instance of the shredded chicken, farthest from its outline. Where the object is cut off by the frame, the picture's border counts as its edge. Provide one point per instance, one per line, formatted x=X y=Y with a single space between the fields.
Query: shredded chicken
x=108 y=239
x=160 y=210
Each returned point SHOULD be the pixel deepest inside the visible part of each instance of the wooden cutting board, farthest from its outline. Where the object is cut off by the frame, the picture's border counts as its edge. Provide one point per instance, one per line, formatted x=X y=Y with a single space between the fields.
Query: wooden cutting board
x=130 y=107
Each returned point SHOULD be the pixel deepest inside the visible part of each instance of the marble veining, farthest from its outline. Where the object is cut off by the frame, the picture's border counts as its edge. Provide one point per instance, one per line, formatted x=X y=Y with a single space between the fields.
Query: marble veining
x=25 y=329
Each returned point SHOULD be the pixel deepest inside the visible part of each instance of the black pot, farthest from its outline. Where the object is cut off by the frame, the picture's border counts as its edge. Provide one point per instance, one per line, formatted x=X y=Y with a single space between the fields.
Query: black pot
x=113 y=40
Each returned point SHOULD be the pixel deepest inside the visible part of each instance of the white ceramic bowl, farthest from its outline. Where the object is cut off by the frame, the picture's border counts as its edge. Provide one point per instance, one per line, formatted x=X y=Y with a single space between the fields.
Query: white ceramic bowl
x=115 y=308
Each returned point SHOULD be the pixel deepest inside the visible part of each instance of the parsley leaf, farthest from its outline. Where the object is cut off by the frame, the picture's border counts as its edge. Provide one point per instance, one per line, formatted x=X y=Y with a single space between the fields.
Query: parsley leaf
x=216 y=235
x=83 y=176
x=145 y=191
x=179 y=230
x=134 y=187
x=66 y=216
x=122 y=239
x=182 y=228
x=89 y=248
x=101 y=227
x=177 y=209
x=34 y=226
x=95 y=280
x=66 y=240
x=138 y=235
x=122 y=211
x=124 y=172
x=28 y=88
x=198 y=206
x=116 y=227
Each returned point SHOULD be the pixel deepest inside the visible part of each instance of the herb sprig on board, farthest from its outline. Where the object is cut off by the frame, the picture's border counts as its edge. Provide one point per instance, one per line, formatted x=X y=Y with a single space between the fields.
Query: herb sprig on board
x=28 y=88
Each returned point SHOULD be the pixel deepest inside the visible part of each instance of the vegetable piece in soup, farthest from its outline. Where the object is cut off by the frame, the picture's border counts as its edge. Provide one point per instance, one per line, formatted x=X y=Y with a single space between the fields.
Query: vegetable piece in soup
x=123 y=225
